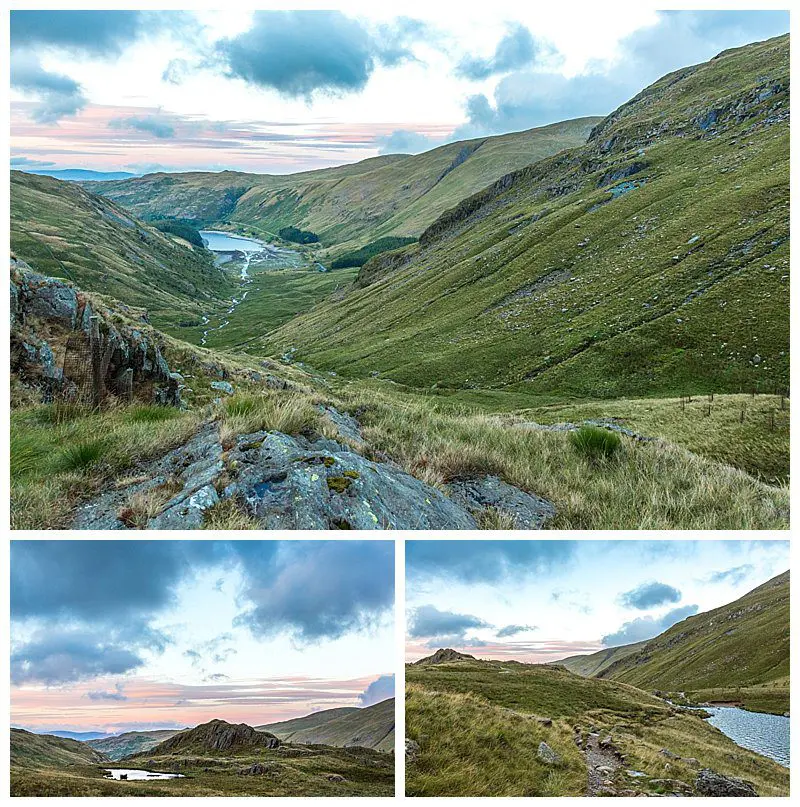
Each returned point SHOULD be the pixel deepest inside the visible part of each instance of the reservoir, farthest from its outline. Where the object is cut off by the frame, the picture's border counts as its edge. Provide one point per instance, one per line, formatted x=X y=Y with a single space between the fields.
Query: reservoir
x=133 y=774
x=763 y=733
x=218 y=241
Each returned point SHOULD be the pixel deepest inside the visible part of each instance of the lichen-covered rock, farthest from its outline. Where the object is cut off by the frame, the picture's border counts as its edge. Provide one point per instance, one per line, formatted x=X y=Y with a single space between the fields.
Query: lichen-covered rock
x=710 y=783
x=547 y=755
x=223 y=386
x=50 y=299
x=529 y=512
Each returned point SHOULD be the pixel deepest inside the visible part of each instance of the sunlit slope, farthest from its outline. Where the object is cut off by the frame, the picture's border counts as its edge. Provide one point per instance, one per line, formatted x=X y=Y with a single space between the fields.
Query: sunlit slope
x=677 y=282
x=371 y=727
x=63 y=230
x=391 y=195
x=45 y=750
x=593 y=664
x=742 y=644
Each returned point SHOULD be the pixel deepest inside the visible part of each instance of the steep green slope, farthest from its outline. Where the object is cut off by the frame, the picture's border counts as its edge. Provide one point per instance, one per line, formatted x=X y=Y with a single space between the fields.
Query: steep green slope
x=372 y=727
x=594 y=664
x=44 y=750
x=741 y=648
x=130 y=742
x=652 y=260
x=478 y=728
x=347 y=205
x=66 y=231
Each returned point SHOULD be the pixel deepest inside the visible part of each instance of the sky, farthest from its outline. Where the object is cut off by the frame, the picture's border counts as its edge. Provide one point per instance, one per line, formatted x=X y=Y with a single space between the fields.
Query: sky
x=540 y=601
x=122 y=635
x=280 y=91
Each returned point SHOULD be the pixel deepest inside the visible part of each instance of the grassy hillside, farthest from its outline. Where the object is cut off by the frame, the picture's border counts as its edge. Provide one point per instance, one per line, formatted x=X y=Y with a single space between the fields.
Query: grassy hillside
x=478 y=726
x=372 y=727
x=130 y=742
x=739 y=652
x=44 y=750
x=66 y=231
x=348 y=205
x=653 y=260
x=593 y=664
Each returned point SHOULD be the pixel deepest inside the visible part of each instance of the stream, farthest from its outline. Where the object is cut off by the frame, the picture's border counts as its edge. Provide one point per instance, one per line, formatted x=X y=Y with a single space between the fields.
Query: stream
x=132 y=774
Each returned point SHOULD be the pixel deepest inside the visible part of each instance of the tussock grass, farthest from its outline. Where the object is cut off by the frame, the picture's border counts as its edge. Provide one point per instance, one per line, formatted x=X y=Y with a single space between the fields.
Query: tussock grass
x=228 y=515
x=146 y=504
x=649 y=485
x=152 y=413
x=595 y=444
x=55 y=466
x=267 y=412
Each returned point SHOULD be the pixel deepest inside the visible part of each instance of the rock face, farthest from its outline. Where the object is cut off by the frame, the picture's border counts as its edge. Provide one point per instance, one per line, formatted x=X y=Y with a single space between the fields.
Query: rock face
x=444 y=656
x=51 y=326
x=528 y=511
x=217 y=735
x=709 y=783
x=412 y=749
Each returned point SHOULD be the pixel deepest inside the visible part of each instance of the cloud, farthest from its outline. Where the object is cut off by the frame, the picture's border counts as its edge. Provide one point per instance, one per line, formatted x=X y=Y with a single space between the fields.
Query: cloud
x=487 y=561
x=102 y=695
x=157 y=125
x=315 y=590
x=427 y=620
x=97 y=33
x=379 y=690
x=58 y=655
x=513 y=630
x=516 y=49
x=734 y=576
x=531 y=98
x=404 y=141
x=26 y=162
x=300 y=53
x=646 y=627
x=59 y=95
x=649 y=595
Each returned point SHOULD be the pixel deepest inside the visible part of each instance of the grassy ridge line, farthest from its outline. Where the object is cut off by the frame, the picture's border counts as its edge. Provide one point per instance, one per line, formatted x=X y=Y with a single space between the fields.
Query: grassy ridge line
x=45 y=750
x=679 y=285
x=593 y=664
x=348 y=206
x=478 y=725
x=64 y=231
x=739 y=646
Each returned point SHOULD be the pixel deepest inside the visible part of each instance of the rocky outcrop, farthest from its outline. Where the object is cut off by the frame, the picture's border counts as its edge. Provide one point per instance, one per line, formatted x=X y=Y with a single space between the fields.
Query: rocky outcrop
x=529 y=512
x=445 y=656
x=60 y=344
x=216 y=735
x=544 y=753
x=710 y=783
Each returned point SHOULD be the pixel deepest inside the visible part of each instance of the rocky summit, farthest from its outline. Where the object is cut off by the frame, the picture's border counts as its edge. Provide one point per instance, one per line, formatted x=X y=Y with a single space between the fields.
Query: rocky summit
x=216 y=735
x=445 y=656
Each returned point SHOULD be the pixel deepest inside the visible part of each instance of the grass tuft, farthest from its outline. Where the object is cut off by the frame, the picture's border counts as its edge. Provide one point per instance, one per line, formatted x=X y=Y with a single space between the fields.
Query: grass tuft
x=81 y=456
x=595 y=444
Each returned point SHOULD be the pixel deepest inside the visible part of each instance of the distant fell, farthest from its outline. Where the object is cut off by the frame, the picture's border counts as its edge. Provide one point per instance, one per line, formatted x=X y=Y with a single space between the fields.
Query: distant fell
x=46 y=750
x=370 y=727
x=594 y=663
x=444 y=656
x=130 y=742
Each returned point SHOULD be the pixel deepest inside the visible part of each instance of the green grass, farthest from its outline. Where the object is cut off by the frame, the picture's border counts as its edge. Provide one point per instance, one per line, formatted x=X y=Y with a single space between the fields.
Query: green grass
x=743 y=644
x=545 y=283
x=64 y=231
x=594 y=443
x=479 y=724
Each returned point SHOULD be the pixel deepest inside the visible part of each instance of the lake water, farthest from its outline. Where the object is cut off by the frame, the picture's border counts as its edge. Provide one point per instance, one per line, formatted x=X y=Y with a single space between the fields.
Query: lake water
x=765 y=734
x=217 y=241
x=135 y=773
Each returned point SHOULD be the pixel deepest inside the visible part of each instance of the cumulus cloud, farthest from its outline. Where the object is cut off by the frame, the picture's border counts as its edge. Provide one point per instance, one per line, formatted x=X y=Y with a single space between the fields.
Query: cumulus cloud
x=529 y=98
x=427 y=620
x=487 y=561
x=516 y=49
x=404 y=141
x=94 y=32
x=650 y=595
x=315 y=590
x=58 y=95
x=56 y=655
x=735 y=575
x=379 y=690
x=646 y=627
x=513 y=630
x=159 y=126
x=300 y=53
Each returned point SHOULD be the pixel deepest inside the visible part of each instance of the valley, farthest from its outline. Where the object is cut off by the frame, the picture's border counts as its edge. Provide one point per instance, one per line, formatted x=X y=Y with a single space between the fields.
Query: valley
x=626 y=274
x=600 y=724
x=213 y=759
